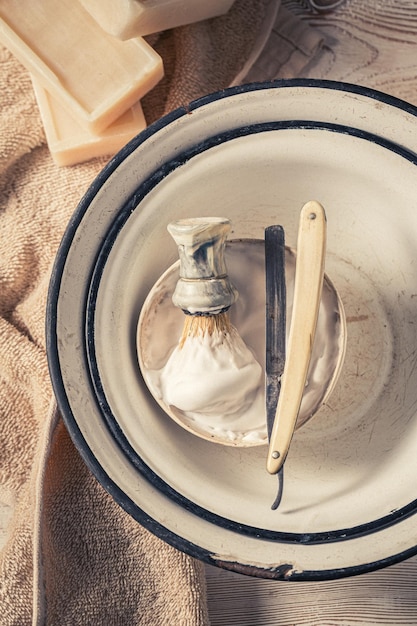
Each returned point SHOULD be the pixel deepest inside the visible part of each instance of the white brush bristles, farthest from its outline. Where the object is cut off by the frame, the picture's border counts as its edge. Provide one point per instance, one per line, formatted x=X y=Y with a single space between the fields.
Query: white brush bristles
x=199 y=325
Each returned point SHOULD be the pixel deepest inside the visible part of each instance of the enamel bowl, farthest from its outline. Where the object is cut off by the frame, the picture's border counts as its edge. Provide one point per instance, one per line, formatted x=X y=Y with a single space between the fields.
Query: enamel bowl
x=255 y=154
x=161 y=323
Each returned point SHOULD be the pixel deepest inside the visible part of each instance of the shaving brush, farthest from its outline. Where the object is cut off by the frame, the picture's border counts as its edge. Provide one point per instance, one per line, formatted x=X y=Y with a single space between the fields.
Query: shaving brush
x=204 y=291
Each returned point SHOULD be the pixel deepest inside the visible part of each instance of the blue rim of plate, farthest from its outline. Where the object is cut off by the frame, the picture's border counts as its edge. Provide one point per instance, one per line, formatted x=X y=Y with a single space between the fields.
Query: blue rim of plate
x=111 y=422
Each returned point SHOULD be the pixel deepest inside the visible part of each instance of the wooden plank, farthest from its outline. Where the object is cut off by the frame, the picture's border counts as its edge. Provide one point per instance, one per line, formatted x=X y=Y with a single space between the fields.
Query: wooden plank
x=387 y=596
x=368 y=43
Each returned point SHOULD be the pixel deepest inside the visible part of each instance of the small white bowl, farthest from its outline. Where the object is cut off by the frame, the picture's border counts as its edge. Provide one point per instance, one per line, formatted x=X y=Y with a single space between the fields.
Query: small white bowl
x=160 y=326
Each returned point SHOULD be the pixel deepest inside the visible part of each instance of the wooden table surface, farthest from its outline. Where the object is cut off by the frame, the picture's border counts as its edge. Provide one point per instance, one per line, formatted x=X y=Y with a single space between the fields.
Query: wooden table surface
x=371 y=43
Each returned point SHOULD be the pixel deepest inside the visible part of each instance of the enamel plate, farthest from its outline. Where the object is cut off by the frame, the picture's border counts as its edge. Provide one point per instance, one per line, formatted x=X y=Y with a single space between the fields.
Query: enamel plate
x=254 y=154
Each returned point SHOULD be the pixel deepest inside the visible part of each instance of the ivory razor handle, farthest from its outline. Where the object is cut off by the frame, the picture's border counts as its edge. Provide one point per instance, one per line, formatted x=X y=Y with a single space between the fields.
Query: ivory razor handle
x=309 y=272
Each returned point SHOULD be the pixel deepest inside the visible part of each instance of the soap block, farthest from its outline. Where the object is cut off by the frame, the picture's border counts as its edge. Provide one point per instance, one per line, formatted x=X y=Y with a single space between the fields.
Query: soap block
x=95 y=76
x=70 y=143
x=126 y=19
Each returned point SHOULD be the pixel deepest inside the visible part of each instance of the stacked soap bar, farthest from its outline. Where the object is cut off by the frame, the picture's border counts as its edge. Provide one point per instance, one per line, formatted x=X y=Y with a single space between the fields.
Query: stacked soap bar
x=132 y=18
x=88 y=82
x=70 y=142
x=85 y=78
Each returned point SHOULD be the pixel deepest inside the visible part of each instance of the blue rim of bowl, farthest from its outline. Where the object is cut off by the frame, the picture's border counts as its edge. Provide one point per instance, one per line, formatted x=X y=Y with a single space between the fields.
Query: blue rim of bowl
x=280 y=572
x=119 y=222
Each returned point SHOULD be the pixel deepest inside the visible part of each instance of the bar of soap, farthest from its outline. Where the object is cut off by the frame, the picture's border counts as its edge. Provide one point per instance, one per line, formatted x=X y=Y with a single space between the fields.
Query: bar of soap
x=126 y=19
x=70 y=143
x=95 y=76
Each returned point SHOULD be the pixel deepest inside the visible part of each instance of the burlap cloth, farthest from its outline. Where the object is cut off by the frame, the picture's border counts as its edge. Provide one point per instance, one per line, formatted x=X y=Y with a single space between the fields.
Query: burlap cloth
x=72 y=556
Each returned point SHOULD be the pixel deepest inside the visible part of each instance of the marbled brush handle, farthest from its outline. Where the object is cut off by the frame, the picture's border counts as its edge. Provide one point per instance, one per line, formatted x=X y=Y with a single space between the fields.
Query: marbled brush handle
x=204 y=287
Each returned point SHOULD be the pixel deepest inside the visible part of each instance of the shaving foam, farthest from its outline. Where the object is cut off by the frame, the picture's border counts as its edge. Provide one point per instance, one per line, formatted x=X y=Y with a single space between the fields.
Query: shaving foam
x=215 y=381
